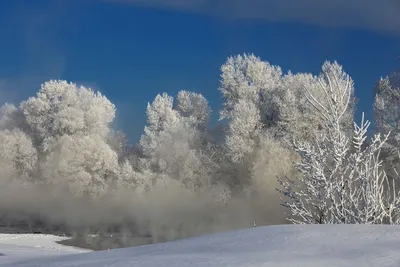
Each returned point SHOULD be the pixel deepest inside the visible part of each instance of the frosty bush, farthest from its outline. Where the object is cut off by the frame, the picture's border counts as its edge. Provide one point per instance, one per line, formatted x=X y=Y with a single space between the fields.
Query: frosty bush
x=341 y=178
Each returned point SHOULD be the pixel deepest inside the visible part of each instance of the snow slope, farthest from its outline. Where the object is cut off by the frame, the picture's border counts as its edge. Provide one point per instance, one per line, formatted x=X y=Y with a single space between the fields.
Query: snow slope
x=17 y=247
x=275 y=246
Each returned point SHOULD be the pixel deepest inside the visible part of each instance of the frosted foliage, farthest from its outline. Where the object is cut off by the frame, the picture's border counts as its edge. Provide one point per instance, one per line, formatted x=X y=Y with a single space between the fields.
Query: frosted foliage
x=163 y=120
x=297 y=117
x=259 y=99
x=296 y=114
x=387 y=107
x=11 y=117
x=174 y=142
x=338 y=83
x=243 y=129
x=341 y=179
x=194 y=107
x=64 y=108
x=178 y=155
x=18 y=157
x=144 y=180
x=342 y=182
x=86 y=163
x=126 y=176
x=148 y=142
x=248 y=78
x=160 y=113
x=387 y=118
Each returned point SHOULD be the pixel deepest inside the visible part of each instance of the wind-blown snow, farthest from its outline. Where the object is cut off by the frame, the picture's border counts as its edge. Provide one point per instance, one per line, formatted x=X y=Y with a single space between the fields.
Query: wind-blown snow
x=275 y=246
x=17 y=247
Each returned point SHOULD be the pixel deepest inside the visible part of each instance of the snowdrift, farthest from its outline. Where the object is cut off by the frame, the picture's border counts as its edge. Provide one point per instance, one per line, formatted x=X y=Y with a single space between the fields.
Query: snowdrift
x=275 y=246
x=17 y=247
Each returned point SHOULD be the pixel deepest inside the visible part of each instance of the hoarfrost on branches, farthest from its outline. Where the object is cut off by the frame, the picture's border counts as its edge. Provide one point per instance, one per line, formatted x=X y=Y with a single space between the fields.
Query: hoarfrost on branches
x=341 y=179
x=387 y=119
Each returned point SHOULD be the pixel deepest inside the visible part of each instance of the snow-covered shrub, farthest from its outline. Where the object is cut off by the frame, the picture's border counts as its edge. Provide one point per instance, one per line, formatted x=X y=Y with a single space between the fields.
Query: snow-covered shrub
x=341 y=178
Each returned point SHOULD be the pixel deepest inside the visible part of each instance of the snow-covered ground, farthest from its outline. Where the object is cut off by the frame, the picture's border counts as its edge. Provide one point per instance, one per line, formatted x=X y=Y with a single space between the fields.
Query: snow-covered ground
x=17 y=247
x=275 y=246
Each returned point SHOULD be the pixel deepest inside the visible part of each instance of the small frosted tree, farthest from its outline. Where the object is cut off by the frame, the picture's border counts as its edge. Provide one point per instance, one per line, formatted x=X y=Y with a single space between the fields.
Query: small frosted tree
x=18 y=157
x=341 y=180
x=175 y=145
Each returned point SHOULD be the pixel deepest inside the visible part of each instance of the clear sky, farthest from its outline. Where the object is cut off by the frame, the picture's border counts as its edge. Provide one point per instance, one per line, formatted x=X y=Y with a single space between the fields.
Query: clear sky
x=131 y=50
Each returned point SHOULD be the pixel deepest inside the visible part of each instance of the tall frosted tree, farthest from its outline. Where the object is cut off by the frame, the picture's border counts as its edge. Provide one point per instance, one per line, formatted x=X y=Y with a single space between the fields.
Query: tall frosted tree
x=71 y=127
x=175 y=144
x=251 y=90
x=297 y=117
x=62 y=108
x=341 y=179
x=247 y=87
x=18 y=157
x=387 y=119
x=259 y=98
x=264 y=108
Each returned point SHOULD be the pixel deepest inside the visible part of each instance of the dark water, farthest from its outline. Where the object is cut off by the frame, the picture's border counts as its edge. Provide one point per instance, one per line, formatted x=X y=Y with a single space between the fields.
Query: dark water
x=87 y=241
x=105 y=242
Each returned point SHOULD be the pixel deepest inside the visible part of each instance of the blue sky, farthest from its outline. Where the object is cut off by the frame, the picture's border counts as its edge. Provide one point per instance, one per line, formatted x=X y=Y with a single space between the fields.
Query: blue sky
x=133 y=49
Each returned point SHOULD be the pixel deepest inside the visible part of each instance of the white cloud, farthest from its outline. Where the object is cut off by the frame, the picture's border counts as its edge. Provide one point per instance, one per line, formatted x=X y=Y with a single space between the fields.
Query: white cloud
x=378 y=15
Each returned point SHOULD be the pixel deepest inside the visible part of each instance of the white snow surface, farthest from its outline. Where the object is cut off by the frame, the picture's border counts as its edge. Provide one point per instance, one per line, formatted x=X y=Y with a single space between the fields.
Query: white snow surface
x=275 y=246
x=17 y=247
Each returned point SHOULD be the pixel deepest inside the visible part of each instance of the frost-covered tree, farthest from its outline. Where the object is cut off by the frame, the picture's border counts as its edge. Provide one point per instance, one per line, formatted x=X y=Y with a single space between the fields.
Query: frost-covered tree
x=86 y=164
x=65 y=133
x=297 y=118
x=175 y=145
x=259 y=93
x=341 y=179
x=263 y=106
x=386 y=105
x=247 y=87
x=18 y=156
x=252 y=91
x=194 y=108
x=62 y=108
x=387 y=119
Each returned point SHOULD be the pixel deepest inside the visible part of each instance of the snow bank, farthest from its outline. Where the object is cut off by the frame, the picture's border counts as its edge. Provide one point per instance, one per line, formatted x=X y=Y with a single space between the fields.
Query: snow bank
x=17 y=247
x=275 y=246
